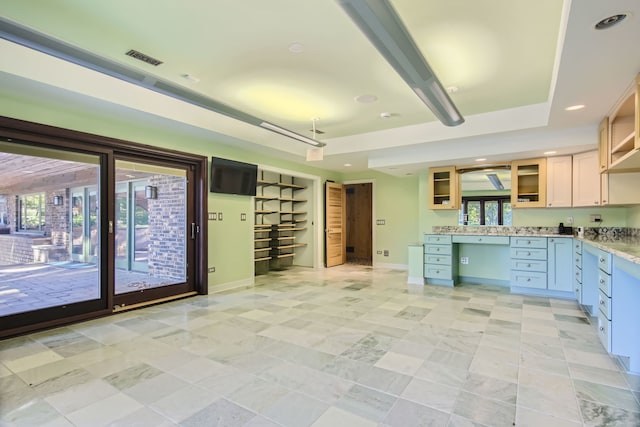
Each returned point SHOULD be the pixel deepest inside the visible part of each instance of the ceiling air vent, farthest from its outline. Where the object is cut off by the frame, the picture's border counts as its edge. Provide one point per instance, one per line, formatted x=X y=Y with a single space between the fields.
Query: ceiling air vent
x=144 y=58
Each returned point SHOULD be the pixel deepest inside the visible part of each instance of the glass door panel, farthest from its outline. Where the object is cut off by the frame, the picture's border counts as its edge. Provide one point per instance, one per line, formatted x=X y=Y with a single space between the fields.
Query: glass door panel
x=152 y=239
x=50 y=271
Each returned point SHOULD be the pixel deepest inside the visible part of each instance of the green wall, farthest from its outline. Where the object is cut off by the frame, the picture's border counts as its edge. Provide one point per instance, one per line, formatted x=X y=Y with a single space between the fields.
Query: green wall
x=633 y=217
x=396 y=203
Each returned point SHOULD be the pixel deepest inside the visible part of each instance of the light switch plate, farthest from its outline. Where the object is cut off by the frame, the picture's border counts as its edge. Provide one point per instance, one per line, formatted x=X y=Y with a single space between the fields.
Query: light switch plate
x=212 y=216
x=219 y=216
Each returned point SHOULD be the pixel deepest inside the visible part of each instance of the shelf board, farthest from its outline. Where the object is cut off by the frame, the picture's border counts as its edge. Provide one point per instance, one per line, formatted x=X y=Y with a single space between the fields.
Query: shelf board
x=527 y=194
x=292 y=213
x=292 y=229
x=625 y=145
x=266 y=258
x=262 y=249
x=266 y=198
x=439 y=196
x=441 y=179
x=285 y=255
x=264 y=212
x=287 y=238
x=265 y=183
x=629 y=162
x=287 y=185
x=295 y=245
x=267 y=226
x=262 y=240
x=290 y=199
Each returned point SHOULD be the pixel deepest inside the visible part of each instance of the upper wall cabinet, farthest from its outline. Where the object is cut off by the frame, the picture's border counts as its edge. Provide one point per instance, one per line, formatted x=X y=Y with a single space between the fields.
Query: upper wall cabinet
x=586 y=180
x=528 y=183
x=443 y=188
x=603 y=144
x=624 y=131
x=559 y=182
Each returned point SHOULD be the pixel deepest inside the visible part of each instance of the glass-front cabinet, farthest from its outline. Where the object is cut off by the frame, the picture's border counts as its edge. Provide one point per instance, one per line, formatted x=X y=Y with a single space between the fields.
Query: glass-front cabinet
x=528 y=183
x=443 y=188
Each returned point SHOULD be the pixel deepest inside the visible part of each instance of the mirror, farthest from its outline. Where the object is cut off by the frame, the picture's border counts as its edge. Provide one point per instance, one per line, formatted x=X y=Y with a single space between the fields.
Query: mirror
x=486 y=196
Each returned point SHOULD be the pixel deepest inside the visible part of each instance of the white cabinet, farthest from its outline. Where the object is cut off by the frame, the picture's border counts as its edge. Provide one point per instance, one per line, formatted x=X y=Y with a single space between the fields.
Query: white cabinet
x=559 y=182
x=586 y=179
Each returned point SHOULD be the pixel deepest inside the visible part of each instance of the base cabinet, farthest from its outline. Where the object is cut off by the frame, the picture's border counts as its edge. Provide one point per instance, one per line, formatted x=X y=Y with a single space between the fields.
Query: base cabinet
x=440 y=256
x=560 y=253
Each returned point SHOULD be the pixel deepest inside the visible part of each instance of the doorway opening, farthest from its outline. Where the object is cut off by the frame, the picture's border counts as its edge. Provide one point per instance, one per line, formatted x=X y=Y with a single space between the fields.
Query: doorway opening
x=359 y=230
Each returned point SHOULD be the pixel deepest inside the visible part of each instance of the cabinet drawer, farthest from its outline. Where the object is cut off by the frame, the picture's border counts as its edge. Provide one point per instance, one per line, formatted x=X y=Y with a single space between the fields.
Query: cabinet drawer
x=604 y=283
x=437 y=271
x=529 y=242
x=437 y=259
x=577 y=246
x=524 y=253
x=604 y=302
x=604 y=261
x=438 y=249
x=604 y=331
x=440 y=239
x=483 y=240
x=529 y=279
x=528 y=265
x=578 y=275
x=578 y=259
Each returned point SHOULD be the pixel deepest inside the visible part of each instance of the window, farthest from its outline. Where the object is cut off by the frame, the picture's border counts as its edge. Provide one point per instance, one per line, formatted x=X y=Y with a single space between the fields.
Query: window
x=32 y=210
x=3 y=210
x=485 y=211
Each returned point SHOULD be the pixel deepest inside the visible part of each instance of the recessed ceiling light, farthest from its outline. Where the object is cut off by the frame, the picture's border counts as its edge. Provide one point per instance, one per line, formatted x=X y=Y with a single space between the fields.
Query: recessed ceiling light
x=610 y=21
x=347 y=164
x=385 y=115
x=190 y=77
x=480 y=160
x=366 y=99
x=130 y=176
x=452 y=89
x=27 y=172
x=549 y=152
x=575 y=107
x=296 y=47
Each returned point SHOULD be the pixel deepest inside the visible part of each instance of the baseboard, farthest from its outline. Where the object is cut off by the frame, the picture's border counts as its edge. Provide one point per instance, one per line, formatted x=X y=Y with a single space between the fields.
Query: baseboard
x=483 y=281
x=244 y=283
x=415 y=280
x=391 y=266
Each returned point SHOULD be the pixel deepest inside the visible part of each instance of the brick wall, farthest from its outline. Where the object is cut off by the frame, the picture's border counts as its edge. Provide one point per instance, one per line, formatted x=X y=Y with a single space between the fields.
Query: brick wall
x=167 y=228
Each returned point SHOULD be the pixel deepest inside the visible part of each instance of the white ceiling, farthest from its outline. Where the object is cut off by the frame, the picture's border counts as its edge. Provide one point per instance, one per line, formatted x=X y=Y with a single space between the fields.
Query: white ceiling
x=517 y=64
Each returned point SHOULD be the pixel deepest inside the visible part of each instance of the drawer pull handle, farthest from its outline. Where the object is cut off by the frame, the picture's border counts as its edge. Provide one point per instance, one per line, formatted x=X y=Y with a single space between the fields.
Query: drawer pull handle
x=528 y=242
x=601 y=328
x=601 y=259
x=528 y=253
x=528 y=279
x=577 y=259
x=601 y=302
x=437 y=249
x=480 y=239
x=577 y=289
x=577 y=274
x=602 y=281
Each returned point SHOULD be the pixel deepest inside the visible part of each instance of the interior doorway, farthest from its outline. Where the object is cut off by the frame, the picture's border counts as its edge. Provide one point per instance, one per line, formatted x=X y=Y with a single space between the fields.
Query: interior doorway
x=359 y=217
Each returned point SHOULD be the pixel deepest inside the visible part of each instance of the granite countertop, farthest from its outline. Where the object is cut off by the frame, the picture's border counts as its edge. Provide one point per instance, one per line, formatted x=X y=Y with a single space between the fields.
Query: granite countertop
x=622 y=242
x=624 y=247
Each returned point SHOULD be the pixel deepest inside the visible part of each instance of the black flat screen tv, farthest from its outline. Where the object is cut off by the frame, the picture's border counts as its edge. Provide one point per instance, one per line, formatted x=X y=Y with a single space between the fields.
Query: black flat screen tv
x=232 y=177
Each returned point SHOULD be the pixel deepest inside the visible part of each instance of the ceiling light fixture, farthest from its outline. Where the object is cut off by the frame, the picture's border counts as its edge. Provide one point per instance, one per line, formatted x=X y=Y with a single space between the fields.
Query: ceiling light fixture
x=547 y=153
x=348 y=165
x=481 y=160
x=383 y=27
x=41 y=42
x=365 y=99
x=495 y=181
x=575 y=107
x=610 y=21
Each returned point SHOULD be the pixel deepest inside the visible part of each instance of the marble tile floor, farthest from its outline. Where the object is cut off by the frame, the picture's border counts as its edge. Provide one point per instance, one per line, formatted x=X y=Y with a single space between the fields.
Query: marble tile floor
x=347 y=346
x=27 y=287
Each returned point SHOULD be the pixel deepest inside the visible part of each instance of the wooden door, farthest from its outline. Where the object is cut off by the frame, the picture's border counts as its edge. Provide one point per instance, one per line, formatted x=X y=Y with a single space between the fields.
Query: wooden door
x=358 y=219
x=334 y=209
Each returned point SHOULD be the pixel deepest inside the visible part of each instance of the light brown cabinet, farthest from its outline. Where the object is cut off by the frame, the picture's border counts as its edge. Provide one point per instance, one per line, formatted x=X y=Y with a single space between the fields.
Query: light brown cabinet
x=623 y=146
x=528 y=183
x=443 y=188
x=603 y=144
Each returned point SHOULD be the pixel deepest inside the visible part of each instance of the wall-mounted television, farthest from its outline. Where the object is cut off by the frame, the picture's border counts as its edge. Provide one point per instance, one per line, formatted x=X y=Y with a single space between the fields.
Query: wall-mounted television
x=232 y=177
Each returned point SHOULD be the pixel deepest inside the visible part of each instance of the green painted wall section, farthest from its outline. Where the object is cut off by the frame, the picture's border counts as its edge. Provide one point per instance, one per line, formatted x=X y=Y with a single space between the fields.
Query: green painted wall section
x=395 y=202
x=633 y=217
x=230 y=242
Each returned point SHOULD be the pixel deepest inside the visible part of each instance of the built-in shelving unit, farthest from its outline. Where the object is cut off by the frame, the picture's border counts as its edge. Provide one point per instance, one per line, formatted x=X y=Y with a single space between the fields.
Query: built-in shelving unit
x=281 y=210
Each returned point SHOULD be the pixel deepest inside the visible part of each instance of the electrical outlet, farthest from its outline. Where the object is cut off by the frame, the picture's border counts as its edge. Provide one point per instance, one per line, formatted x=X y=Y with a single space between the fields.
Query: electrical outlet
x=212 y=270
x=243 y=217
x=464 y=260
x=569 y=220
x=595 y=218
x=219 y=216
x=379 y=252
x=380 y=222
x=212 y=216
x=386 y=252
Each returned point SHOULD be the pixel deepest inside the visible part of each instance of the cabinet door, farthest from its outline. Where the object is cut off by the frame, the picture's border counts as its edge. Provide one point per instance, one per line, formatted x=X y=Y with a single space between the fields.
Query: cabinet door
x=528 y=183
x=603 y=144
x=586 y=179
x=559 y=182
x=443 y=188
x=560 y=258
